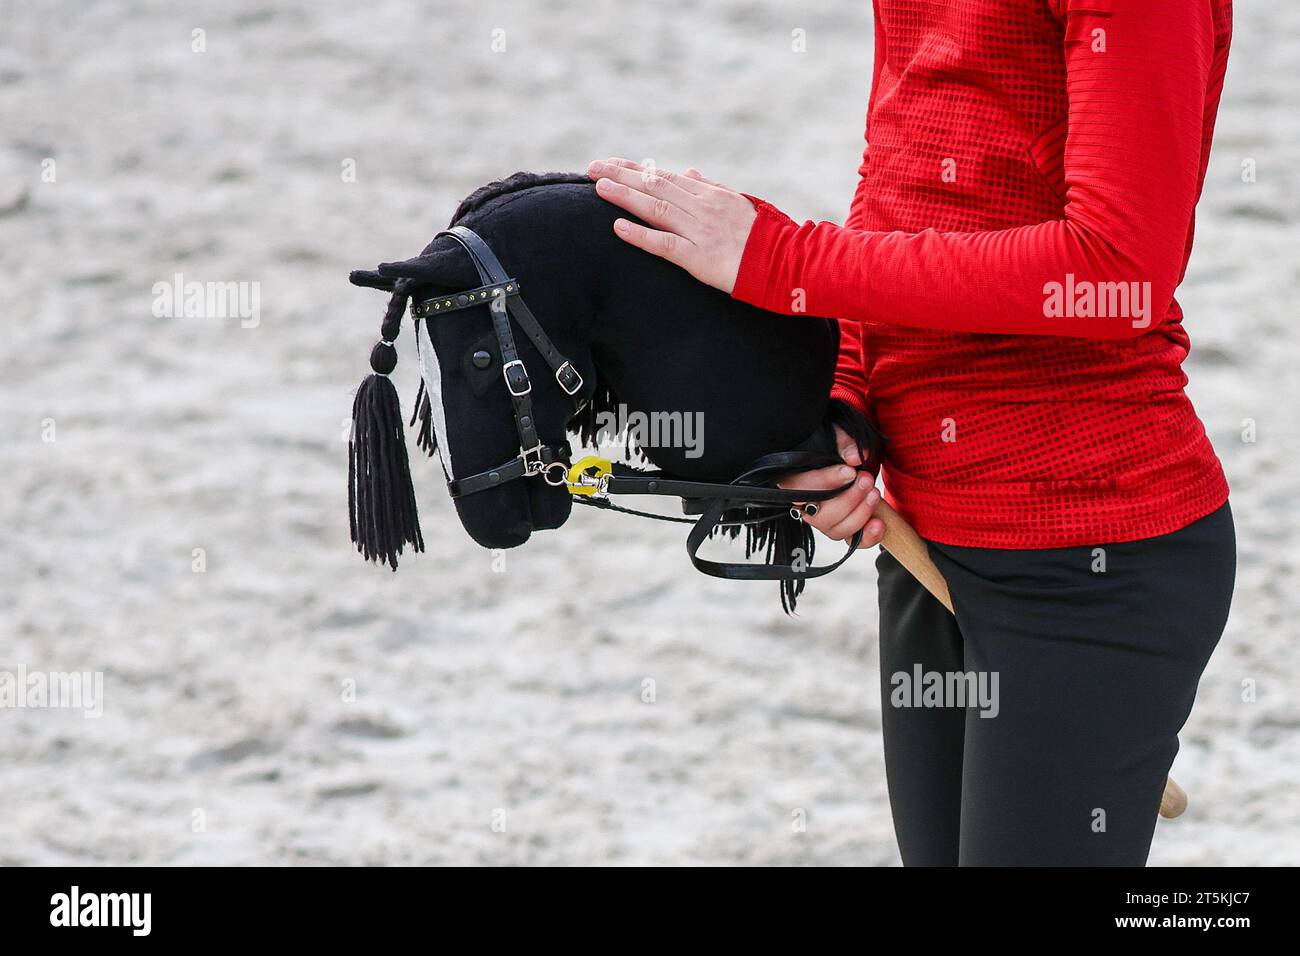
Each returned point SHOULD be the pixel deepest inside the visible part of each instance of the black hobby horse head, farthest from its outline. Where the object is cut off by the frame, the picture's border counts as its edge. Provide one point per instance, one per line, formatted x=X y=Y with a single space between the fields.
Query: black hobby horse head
x=642 y=335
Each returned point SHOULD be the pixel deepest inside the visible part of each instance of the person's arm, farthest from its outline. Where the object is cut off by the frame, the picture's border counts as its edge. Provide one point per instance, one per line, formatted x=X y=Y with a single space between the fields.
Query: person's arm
x=1132 y=171
x=850 y=377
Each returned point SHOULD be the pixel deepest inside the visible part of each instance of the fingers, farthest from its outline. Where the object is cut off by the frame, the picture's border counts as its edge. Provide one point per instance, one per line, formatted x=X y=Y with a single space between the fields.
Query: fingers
x=845 y=514
x=656 y=198
x=872 y=533
x=654 y=209
x=666 y=245
x=857 y=519
x=657 y=183
x=847 y=448
x=820 y=479
x=635 y=175
x=834 y=510
x=693 y=173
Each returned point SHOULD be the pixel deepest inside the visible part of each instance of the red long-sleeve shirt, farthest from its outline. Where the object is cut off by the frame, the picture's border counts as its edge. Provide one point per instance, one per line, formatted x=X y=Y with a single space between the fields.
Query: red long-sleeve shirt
x=1005 y=279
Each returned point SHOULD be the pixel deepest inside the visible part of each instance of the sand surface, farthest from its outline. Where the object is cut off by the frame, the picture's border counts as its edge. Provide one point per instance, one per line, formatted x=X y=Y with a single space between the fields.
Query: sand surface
x=230 y=733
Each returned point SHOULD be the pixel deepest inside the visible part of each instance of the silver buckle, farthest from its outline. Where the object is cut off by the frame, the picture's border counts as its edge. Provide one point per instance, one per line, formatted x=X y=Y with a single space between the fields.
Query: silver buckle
x=568 y=367
x=505 y=373
x=532 y=466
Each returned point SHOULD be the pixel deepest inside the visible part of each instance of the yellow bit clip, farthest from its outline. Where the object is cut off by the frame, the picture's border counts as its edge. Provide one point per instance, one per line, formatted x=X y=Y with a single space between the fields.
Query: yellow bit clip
x=586 y=475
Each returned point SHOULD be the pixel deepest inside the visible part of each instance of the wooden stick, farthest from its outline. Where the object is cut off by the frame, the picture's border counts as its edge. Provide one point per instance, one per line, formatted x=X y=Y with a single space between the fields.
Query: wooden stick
x=912 y=553
x=1173 y=801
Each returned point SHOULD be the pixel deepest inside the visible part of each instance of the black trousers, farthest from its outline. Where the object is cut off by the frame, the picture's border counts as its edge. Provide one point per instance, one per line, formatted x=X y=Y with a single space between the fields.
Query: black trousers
x=1089 y=658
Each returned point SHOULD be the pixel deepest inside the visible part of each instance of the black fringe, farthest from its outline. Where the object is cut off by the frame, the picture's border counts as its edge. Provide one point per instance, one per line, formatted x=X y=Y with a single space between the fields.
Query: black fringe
x=789 y=538
x=586 y=423
x=427 y=438
x=778 y=538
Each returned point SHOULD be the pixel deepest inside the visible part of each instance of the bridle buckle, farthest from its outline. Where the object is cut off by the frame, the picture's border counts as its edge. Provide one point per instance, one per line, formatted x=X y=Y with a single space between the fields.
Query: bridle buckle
x=516 y=375
x=533 y=459
x=567 y=377
x=553 y=472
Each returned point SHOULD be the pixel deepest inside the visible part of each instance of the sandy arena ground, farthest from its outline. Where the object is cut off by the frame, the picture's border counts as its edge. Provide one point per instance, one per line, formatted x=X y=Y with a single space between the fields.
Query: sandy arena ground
x=228 y=733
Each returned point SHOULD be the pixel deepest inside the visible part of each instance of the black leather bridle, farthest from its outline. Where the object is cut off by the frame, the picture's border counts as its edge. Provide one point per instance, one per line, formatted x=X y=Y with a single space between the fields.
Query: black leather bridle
x=754 y=490
x=501 y=295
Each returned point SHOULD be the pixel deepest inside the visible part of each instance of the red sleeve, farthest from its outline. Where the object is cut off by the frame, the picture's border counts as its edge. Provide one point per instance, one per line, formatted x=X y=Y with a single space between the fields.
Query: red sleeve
x=850 y=377
x=1132 y=172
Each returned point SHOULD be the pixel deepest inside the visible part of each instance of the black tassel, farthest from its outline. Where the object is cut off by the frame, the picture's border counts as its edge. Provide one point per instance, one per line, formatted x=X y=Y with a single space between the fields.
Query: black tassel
x=381 y=497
